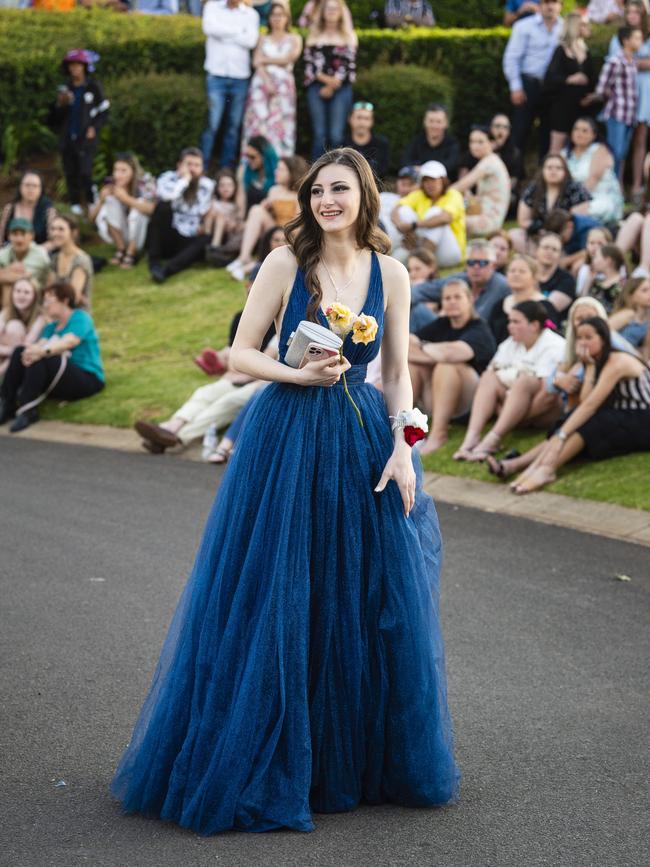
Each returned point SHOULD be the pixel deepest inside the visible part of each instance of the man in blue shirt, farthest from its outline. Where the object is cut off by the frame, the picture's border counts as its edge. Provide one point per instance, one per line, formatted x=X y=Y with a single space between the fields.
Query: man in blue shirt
x=525 y=61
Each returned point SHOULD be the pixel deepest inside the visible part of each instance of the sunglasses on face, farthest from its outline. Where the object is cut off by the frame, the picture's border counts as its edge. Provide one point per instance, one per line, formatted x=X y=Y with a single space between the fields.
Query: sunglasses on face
x=480 y=263
x=501 y=126
x=363 y=106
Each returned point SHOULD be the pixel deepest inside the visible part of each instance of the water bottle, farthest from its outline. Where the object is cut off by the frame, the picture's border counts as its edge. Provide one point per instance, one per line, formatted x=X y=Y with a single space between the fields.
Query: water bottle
x=209 y=442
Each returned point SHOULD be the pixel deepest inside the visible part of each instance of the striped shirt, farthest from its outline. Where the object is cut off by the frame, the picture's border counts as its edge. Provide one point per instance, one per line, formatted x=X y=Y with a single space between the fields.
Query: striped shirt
x=618 y=85
x=633 y=393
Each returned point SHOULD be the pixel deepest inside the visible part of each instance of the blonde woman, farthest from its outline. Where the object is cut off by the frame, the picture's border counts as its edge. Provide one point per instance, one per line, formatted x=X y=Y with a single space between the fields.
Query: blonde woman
x=330 y=58
x=569 y=79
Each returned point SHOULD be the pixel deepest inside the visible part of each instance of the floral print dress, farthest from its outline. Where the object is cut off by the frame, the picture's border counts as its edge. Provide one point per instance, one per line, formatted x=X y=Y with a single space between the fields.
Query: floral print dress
x=273 y=115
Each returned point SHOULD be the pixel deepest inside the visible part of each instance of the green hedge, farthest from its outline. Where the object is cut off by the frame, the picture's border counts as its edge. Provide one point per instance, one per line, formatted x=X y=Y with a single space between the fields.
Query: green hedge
x=448 y=13
x=400 y=94
x=172 y=116
x=32 y=44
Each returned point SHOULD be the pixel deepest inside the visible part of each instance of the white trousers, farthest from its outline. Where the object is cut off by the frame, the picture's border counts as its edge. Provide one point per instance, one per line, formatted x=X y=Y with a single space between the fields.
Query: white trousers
x=131 y=224
x=215 y=404
x=448 y=253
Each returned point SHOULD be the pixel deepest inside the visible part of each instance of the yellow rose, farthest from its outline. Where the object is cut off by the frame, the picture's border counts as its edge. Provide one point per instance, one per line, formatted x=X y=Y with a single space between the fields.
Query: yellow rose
x=340 y=318
x=364 y=329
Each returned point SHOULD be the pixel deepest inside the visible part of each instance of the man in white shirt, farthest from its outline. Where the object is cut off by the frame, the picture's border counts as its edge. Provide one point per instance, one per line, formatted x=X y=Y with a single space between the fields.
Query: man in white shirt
x=176 y=226
x=232 y=30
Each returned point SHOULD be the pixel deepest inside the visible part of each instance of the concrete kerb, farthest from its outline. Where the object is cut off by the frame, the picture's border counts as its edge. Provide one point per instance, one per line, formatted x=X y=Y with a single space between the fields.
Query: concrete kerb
x=603 y=519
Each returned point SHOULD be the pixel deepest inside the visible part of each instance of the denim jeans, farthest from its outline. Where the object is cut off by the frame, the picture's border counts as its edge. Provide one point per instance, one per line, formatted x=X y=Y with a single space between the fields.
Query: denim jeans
x=231 y=93
x=618 y=139
x=328 y=117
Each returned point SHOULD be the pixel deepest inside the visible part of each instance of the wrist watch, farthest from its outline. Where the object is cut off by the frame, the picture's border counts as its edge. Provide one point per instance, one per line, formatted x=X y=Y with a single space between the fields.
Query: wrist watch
x=48 y=350
x=561 y=436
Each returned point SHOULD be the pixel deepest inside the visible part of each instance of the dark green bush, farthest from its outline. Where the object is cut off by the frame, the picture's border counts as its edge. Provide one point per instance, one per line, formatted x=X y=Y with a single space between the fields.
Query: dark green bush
x=155 y=114
x=400 y=94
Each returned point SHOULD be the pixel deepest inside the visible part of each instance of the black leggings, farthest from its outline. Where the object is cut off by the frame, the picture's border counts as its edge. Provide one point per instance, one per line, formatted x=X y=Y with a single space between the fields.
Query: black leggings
x=23 y=386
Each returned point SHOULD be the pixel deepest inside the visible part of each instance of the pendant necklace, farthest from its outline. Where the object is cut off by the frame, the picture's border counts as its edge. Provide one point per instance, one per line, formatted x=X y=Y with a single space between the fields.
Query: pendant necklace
x=338 y=291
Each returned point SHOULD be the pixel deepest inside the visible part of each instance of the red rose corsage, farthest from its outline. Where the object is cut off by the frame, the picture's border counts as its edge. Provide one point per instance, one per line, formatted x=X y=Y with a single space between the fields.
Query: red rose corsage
x=414 y=424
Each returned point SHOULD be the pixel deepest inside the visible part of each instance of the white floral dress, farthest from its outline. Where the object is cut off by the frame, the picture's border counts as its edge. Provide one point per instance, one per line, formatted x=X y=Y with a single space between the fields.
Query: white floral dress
x=273 y=115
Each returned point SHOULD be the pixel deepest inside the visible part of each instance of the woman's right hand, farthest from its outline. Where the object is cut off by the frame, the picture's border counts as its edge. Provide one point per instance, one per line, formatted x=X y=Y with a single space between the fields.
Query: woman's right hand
x=325 y=372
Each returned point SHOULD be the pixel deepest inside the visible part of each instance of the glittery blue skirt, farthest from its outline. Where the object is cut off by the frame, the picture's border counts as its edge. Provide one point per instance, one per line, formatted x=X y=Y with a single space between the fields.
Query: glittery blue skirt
x=304 y=667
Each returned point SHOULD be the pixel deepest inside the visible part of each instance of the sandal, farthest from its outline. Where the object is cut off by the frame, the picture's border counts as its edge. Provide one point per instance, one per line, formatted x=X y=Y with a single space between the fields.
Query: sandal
x=496 y=468
x=116 y=258
x=128 y=261
x=219 y=456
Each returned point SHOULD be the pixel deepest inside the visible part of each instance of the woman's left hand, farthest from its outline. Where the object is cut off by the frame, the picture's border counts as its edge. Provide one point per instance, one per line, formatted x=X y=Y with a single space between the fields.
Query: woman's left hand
x=400 y=469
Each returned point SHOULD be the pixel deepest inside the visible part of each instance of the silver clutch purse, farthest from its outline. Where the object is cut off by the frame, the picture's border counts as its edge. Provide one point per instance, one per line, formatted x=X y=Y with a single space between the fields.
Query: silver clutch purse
x=306 y=333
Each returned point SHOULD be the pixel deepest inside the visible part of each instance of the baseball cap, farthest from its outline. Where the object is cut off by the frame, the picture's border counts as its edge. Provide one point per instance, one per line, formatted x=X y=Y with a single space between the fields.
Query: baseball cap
x=433 y=169
x=21 y=224
x=408 y=172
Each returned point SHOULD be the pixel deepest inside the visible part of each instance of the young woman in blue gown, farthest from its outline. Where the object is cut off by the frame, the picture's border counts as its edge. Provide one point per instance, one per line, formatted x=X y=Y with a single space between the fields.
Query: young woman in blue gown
x=303 y=670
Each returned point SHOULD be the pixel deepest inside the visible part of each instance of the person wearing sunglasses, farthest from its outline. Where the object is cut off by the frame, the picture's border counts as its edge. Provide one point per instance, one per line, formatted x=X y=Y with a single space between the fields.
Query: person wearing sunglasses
x=487 y=285
x=373 y=147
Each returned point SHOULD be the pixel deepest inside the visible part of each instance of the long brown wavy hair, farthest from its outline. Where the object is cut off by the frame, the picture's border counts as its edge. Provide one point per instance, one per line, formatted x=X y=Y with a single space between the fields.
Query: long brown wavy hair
x=304 y=235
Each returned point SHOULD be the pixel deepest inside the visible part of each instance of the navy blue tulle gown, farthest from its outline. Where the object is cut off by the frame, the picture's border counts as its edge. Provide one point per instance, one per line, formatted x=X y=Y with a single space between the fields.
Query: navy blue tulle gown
x=304 y=669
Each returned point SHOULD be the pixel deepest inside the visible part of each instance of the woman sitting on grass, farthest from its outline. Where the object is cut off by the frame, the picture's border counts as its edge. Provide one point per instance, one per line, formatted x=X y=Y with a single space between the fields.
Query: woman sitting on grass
x=584 y=270
x=513 y=386
x=65 y=363
x=21 y=322
x=446 y=359
x=631 y=315
x=69 y=262
x=122 y=210
x=278 y=208
x=613 y=417
x=566 y=381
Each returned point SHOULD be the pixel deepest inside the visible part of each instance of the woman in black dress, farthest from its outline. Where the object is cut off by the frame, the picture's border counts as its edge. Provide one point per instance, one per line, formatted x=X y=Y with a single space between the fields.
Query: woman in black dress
x=569 y=79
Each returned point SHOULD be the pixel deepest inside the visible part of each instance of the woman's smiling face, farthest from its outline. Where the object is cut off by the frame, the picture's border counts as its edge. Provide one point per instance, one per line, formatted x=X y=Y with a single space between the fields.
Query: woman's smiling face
x=335 y=198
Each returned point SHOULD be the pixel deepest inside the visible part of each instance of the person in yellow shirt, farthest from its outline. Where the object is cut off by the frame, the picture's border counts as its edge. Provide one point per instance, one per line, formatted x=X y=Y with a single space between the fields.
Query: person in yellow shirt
x=435 y=212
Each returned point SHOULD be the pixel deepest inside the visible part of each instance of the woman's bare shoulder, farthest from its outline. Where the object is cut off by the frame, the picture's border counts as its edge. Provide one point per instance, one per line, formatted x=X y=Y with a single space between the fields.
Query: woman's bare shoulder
x=395 y=279
x=279 y=267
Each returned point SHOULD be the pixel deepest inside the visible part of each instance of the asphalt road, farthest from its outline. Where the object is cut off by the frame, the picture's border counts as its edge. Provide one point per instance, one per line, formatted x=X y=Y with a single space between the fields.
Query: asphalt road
x=547 y=661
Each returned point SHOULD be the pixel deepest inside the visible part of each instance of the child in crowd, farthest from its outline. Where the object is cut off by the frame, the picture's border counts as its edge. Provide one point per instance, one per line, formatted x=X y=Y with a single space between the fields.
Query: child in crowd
x=631 y=315
x=79 y=113
x=225 y=221
x=586 y=273
x=608 y=263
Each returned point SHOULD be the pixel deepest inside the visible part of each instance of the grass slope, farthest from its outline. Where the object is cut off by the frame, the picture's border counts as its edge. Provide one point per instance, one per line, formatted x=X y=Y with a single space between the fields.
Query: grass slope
x=149 y=334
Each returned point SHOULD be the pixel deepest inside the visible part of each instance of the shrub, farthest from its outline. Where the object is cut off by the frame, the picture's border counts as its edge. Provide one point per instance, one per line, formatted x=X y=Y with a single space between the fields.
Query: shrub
x=449 y=13
x=155 y=114
x=400 y=94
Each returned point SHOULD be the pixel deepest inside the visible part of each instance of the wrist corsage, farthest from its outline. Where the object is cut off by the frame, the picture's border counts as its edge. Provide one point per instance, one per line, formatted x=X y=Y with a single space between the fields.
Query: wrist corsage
x=414 y=423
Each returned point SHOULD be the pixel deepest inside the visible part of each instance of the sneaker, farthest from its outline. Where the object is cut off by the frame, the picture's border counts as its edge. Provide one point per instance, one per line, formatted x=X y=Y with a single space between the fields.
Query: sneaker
x=77 y=210
x=233 y=265
x=237 y=272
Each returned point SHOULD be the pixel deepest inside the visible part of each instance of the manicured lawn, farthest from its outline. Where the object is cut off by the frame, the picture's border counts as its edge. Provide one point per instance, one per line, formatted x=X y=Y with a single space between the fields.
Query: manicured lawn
x=149 y=334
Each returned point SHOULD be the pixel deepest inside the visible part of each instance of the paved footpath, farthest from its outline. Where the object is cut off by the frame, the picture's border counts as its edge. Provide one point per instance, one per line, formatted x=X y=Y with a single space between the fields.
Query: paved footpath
x=548 y=676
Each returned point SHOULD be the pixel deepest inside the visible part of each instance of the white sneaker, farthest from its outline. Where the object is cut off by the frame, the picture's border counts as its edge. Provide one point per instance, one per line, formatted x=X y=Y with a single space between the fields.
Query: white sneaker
x=238 y=273
x=233 y=266
x=77 y=210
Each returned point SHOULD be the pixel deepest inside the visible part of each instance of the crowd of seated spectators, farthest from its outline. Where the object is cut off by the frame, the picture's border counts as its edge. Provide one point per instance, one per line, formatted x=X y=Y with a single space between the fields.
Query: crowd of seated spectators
x=540 y=322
